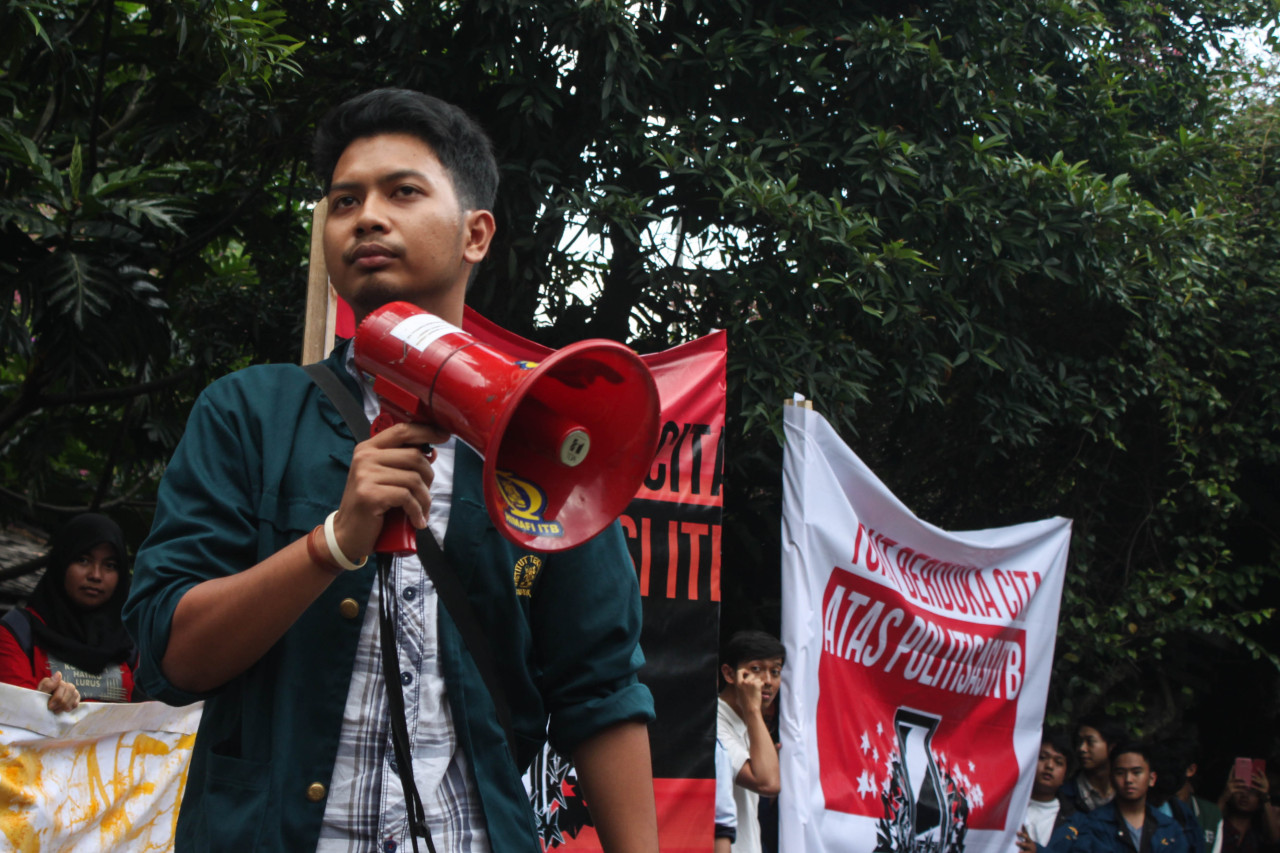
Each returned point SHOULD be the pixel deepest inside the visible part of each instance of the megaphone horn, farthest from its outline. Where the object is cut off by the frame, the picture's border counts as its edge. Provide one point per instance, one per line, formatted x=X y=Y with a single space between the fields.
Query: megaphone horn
x=566 y=442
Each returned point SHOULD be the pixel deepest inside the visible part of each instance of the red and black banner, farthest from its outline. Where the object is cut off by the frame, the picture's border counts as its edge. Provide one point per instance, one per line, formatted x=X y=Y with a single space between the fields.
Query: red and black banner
x=673 y=532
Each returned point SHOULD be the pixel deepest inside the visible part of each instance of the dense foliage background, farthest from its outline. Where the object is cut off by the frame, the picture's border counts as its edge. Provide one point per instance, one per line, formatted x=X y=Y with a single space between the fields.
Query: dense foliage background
x=1022 y=254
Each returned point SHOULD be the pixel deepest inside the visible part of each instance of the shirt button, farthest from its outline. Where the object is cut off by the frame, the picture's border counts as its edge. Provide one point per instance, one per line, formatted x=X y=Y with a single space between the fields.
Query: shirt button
x=349 y=608
x=406 y=678
x=390 y=845
x=410 y=592
x=315 y=792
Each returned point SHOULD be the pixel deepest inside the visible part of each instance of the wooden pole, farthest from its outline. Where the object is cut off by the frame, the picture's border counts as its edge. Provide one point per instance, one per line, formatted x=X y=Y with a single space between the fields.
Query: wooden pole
x=317 y=331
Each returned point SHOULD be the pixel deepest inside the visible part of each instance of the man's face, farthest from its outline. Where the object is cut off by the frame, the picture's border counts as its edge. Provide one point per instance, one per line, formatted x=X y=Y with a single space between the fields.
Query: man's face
x=1091 y=748
x=770 y=672
x=395 y=228
x=1131 y=776
x=1051 y=772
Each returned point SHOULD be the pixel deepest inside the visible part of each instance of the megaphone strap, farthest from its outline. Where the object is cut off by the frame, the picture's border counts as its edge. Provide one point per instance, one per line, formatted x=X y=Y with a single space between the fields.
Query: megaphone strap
x=388 y=605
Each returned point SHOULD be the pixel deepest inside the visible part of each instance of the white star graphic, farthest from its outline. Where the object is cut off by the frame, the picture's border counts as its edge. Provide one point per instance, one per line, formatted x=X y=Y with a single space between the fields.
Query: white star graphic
x=875 y=754
x=866 y=784
x=971 y=767
x=879 y=729
x=866 y=743
x=977 y=795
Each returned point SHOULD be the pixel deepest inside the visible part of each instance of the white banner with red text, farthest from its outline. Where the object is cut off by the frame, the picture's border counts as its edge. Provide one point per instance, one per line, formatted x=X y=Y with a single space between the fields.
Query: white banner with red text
x=918 y=662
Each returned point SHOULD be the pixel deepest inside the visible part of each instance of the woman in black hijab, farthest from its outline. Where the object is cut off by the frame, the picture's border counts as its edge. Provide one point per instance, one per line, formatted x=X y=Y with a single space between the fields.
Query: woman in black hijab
x=70 y=642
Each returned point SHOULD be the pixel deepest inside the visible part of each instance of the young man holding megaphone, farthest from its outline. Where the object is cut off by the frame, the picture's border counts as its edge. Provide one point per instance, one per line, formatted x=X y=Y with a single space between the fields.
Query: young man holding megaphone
x=346 y=706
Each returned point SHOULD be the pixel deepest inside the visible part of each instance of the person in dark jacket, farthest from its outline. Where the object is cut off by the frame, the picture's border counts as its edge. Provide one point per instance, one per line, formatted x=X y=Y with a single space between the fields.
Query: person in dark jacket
x=1127 y=824
x=69 y=641
x=344 y=708
x=1172 y=762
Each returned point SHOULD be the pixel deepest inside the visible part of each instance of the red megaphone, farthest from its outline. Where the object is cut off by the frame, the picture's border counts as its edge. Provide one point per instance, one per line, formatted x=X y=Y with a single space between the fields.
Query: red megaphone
x=566 y=442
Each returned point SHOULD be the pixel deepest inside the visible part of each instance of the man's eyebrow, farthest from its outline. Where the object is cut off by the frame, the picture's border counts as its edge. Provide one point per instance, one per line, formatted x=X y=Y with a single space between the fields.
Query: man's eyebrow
x=398 y=175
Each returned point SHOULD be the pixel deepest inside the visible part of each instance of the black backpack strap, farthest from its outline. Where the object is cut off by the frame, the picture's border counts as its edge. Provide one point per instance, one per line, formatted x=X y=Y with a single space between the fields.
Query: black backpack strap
x=443 y=576
x=19 y=624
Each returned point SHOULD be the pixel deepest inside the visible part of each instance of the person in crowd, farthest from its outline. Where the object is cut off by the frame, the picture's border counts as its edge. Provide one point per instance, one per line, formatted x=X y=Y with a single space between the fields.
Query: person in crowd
x=344 y=709
x=1171 y=763
x=726 y=811
x=69 y=641
x=1207 y=813
x=1091 y=787
x=751 y=673
x=1048 y=808
x=1127 y=824
x=1250 y=822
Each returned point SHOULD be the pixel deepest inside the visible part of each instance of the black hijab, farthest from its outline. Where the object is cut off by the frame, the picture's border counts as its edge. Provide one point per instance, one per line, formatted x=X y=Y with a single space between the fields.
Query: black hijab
x=88 y=639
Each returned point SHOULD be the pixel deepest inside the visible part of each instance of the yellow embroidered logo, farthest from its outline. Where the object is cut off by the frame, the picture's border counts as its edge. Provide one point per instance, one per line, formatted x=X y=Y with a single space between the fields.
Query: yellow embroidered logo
x=526 y=572
x=525 y=504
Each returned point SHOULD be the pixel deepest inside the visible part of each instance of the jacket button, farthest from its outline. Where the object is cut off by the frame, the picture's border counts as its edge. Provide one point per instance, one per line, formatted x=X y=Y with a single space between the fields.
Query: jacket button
x=349 y=608
x=315 y=792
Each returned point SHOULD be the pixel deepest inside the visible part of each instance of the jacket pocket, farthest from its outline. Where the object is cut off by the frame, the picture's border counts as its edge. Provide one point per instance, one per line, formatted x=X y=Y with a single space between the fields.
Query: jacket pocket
x=236 y=792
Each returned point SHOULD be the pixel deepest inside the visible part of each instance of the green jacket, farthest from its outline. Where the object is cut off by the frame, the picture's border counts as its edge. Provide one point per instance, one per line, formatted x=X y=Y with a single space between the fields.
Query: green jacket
x=264 y=459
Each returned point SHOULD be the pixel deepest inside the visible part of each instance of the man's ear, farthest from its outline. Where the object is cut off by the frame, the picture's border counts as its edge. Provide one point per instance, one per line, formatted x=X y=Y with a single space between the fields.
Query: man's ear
x=1151 y=778
x=727 y=673
x=478 y=230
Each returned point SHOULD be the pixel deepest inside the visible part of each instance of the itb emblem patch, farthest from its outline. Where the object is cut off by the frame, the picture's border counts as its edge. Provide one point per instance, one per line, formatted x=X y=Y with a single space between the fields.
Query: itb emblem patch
x=526 y=573
x=525 y=502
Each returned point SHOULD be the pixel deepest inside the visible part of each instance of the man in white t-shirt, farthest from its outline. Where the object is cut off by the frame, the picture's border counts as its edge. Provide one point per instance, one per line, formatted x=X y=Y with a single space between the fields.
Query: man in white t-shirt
x=1046 y=810
x=751 y=673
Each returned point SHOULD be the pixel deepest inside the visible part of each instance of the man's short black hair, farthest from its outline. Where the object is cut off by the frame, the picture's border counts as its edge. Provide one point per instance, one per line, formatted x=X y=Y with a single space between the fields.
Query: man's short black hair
x=1108 y=729
x=462 y=146
x=1060 y=742
x=1170 y=761
x=751 y=645
x=1136 y=748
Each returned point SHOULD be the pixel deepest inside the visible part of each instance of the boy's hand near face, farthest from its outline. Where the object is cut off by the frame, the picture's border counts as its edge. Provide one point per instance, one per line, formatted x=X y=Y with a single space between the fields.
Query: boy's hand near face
x=760 y=773
x=749 y=686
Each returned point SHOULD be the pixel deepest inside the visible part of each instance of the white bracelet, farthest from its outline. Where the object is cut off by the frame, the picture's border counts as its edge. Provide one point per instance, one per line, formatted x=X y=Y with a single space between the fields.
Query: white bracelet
x=331 y=540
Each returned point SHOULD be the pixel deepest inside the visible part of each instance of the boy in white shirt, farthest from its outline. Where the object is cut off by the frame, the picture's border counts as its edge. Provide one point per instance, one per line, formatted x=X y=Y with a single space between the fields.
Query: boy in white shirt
x=751 y=673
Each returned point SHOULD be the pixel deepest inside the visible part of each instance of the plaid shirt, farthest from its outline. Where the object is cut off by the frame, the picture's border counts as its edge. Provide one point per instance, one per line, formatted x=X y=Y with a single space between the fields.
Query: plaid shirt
x=365 y=809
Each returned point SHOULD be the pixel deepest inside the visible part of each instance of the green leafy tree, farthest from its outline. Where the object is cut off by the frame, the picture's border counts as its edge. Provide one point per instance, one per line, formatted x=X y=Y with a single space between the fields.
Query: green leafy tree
x=1019 y=253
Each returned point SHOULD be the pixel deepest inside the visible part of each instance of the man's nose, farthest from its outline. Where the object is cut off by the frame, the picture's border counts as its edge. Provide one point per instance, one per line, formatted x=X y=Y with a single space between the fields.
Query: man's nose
x=96 y=569
x=372 y=216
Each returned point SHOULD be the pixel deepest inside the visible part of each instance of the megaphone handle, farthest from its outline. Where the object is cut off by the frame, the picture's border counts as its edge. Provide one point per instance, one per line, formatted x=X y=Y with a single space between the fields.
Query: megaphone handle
x=398 y=536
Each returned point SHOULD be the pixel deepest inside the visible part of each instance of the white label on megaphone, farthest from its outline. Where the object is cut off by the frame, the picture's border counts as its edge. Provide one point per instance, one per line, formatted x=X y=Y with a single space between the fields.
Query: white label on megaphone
x=422 y=330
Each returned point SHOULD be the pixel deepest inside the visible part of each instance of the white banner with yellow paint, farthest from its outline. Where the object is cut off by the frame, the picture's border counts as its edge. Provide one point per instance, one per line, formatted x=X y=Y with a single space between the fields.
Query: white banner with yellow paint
x=101 y=777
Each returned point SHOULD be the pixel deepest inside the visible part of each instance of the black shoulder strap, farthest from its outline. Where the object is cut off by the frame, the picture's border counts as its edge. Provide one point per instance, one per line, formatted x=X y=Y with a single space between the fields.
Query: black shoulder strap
x=348 y=406
x=19 y=624
x=443 y=576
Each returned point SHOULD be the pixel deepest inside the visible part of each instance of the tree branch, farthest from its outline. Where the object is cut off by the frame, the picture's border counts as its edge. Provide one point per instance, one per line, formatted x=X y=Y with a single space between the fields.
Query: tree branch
x=125 y=499
x=109 y=394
